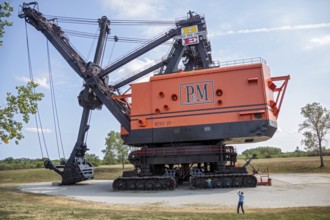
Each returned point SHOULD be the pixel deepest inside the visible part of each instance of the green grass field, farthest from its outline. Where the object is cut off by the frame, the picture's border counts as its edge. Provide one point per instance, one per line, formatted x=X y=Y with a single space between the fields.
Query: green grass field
x=43 y=175
x=292 y=164
x=18 y=205
x=15 y=204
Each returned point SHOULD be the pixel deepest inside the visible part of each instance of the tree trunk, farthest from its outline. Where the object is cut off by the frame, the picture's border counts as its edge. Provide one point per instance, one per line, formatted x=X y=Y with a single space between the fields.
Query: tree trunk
x=321 y=153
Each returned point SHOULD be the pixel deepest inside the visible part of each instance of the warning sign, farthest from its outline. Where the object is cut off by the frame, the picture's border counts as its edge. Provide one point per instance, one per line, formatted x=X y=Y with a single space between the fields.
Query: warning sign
x=190 y=35
x=189 y=30
x=190 y=41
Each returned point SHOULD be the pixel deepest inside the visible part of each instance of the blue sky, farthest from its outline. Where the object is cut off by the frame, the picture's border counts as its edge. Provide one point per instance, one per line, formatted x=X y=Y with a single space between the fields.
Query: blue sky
x=292 y=36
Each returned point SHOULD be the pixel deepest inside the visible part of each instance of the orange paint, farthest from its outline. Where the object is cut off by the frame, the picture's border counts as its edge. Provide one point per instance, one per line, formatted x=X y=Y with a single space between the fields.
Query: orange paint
x=209 y=96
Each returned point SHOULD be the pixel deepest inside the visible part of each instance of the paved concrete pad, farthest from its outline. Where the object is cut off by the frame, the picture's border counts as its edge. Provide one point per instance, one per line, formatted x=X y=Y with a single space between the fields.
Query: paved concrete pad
x=287 y=190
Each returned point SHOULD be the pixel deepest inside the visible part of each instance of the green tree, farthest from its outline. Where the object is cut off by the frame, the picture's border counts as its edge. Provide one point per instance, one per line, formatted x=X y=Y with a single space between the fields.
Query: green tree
x=263 y=152
x=115 y=149
x=93 y=159
x=122 y=153
x=109 y=151
x=23 y=104
x=5 y=11
x=297 y=151
x=315 y=127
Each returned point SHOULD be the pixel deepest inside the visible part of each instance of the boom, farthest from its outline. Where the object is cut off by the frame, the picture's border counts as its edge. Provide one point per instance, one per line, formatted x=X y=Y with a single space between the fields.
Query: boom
x=93 y=74
x=56 y=36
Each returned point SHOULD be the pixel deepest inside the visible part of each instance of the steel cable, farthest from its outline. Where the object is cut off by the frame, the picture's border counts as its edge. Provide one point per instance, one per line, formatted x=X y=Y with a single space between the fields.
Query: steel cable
x=37 y=115
x=54 y=107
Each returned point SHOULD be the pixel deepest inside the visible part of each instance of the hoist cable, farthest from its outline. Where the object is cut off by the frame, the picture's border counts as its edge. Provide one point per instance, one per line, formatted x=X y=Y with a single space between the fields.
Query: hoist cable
x=91 y=47
x=37 y=115
x=39 y=139
x=54 y=107
x=62 y=19
x=42 y=132
x=73 y=20
x=115 y=38
x=111 y=52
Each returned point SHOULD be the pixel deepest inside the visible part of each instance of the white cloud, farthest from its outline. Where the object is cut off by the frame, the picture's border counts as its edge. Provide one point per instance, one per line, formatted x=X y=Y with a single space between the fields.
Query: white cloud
x=317 y=42
x=42 y=81
x=273 y=29
x=136 y=9
x=36 y=130
x=131 y=68
x=321 y=41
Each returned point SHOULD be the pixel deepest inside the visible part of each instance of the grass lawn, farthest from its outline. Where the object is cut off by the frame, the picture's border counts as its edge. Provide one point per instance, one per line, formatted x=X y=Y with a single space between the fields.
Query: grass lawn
x=291 y=164
x=44 y=175
x=18 y=205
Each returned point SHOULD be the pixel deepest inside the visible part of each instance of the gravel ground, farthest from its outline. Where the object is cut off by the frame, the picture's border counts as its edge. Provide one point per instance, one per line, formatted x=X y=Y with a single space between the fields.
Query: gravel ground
x=287 y=190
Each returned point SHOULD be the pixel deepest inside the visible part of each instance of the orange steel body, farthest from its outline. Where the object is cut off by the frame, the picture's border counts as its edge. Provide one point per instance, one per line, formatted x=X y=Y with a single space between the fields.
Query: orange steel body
x=207 y=97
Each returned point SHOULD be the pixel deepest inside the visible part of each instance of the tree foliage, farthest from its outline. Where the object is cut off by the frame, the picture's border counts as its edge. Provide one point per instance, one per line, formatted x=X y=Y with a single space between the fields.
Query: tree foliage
x=263 y=152
x=5 y=11
x=10 y=163
x=23 y=104
x=315 y=127
x=115 y=150
x=93 y=159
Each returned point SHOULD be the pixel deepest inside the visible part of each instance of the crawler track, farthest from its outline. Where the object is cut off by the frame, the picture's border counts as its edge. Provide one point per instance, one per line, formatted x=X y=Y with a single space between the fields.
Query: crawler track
x=144 y=183
x=223 y=181
x=196 y=182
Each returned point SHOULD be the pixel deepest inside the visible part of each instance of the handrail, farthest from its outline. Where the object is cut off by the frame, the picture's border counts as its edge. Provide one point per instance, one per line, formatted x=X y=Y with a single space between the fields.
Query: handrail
x=242 y=62
x=217 y=63
x=168 y=151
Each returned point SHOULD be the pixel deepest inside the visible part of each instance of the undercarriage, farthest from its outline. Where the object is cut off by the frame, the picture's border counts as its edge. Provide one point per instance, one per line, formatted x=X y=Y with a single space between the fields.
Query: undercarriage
x=202 y=166
x=164 y=168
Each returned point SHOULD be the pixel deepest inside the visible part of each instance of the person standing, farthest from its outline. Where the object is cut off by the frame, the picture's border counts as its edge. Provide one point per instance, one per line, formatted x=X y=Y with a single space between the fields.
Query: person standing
x=240 y=201
x=209 y=183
